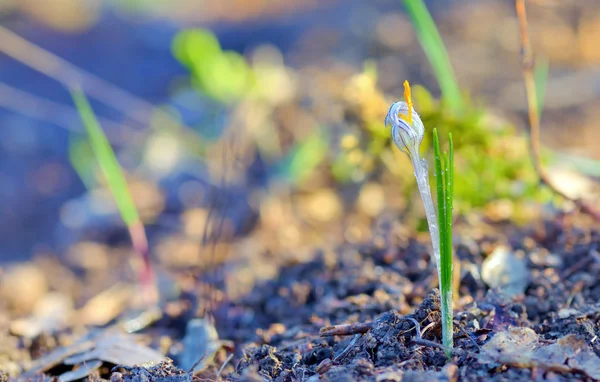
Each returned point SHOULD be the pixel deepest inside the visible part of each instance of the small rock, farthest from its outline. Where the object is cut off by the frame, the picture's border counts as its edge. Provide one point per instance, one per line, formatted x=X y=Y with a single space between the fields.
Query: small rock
x=323 y=206
x=504 y=271
x=22 y=286
x=50 y=314
x=200 y=343
x=514 y=346
x=568 y=312
x=371 y=199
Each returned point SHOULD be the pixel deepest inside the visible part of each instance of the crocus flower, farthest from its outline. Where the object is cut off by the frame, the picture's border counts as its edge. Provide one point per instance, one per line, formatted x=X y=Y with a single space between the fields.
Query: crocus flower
x=407 y=127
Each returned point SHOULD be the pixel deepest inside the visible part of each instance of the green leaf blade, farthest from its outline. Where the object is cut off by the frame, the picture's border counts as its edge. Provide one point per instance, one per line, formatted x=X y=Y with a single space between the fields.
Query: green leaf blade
x=439 y=182
x=446 y=252
x=106 y=159
x=436 y=53
x=444 y=176
x=447 y=262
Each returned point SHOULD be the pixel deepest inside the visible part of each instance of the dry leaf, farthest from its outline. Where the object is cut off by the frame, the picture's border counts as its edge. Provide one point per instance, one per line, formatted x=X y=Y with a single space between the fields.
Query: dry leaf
x=519 y=347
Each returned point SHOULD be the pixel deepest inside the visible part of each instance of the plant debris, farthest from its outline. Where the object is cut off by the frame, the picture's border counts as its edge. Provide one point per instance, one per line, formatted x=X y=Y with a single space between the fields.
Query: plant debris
x=520 y=347
x=504 y=271
x=162 y=371
x=88 y=353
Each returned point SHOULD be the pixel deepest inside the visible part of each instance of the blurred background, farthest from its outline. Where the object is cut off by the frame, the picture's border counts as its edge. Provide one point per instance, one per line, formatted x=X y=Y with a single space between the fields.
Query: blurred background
x=257 y=125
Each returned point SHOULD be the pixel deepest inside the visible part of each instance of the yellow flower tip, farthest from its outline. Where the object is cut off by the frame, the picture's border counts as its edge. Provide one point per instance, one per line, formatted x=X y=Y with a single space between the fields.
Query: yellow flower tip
x=408 y=97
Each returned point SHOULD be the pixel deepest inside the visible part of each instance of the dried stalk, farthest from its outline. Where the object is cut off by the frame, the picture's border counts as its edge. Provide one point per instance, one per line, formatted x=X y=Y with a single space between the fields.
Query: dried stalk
x=527 y=62
x=138 y=111
x=70 y=76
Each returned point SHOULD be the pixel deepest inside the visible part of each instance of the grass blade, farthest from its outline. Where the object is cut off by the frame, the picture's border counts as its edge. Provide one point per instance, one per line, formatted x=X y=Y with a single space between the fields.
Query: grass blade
x=434 y=48
x=439 y=182
x=304 y=157
x=444 y=179
x=106 y=159
x=81 y=159
x=449 y=192
x=446 y=253
x=117 y=184
x=450 y=180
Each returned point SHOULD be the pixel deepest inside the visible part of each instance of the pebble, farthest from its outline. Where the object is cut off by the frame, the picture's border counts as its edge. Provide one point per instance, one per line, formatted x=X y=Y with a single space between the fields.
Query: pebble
x=504 y=271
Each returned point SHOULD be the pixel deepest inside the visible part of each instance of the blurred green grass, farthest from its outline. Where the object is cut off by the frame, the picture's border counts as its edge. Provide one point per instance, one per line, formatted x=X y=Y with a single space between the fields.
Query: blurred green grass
x=117 y=184
x=434 y=48
x=490 y=153
x=107 y=160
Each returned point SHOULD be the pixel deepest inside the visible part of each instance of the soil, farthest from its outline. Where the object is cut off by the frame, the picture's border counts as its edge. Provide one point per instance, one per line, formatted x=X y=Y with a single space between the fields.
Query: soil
x=369 y=313
x=363 y=284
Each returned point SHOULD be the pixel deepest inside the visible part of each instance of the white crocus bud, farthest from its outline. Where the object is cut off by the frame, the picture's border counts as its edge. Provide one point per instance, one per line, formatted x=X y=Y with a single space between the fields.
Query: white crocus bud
x=407 y=128
x=407 y=133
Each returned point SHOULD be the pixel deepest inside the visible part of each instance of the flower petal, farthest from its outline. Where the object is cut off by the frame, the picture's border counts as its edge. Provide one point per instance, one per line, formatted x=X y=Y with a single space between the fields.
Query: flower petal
x=406 y=136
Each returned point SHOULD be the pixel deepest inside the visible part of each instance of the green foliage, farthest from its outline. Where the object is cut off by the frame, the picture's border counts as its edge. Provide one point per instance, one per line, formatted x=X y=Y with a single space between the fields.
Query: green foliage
x=444 y=179
x=82 y=159
x=434 y=48
x=106 y=159
x=227 y=77
x=492 y=156
x=494 y=160
x=355 y=162
x=222 y=75
x=303 y=158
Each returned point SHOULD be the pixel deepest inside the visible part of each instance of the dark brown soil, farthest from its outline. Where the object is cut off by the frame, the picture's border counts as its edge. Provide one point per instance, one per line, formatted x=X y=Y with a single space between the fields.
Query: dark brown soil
x=371 y=313
x=358 y=285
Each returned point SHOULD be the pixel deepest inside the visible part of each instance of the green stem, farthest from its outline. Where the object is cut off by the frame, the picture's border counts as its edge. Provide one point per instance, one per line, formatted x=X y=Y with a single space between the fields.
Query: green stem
x=422 y=177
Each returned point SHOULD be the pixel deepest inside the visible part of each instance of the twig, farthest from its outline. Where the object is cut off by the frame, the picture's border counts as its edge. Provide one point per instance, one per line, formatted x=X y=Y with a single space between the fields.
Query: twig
x=424 y=342
x=417 y=327
x=466 y=334
x=346 y=329
x=45 y=110
x=70 y=75
x=579 y=265
x=224 y=364
x=348 y=348
x=429 y=326
x=527 y=62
